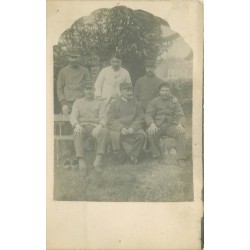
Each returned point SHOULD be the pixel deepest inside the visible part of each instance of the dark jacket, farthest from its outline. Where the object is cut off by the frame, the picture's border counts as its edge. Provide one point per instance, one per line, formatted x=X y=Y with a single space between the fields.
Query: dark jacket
x=125 y=114
x=70 y=83
x=146 y=89
x=164 y=111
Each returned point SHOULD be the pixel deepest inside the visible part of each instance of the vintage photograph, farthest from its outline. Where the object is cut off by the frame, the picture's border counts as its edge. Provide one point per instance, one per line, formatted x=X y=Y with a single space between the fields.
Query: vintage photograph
x=124 y=124
x=123 y=84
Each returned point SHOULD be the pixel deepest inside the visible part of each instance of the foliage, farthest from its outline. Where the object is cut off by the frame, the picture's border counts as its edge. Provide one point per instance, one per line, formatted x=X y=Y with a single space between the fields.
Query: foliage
x=136 y=34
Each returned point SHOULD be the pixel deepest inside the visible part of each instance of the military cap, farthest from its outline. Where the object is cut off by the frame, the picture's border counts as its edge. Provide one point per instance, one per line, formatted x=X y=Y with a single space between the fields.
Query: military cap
x=126 y=85
x=164 y=84
x=88 y=84
x=74 y=52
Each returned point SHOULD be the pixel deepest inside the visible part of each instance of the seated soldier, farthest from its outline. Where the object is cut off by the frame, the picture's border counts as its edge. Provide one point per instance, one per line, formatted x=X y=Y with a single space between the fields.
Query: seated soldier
x=163 y=117
x=126 y=120
x=88 y=118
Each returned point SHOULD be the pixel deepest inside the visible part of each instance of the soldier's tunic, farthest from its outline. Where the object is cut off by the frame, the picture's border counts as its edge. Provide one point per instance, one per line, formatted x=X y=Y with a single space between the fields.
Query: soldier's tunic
x=166 y=115
x=146 y=89
x=89 y=113
x=124 y=114
x=70 y=84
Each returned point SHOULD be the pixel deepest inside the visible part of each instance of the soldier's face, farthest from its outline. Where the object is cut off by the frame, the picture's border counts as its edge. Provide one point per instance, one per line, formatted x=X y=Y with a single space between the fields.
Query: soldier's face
x=127 y=93
x=89 y=92
x=115 y=63
x=150 y=70
x=164 y=92
x=74 y=61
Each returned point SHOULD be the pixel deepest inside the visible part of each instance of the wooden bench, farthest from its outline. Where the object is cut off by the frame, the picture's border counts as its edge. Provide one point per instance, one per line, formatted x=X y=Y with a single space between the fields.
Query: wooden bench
x=59 y=121
x=166 y=142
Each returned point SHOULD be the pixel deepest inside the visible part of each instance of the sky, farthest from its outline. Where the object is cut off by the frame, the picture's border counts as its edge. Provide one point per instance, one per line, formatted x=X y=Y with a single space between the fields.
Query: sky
x=62 y=14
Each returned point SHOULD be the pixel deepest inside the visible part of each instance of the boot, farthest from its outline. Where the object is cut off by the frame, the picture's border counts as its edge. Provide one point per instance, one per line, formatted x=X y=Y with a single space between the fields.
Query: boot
x=133 y=159
x=98 y=163
x=67 y=164
x=75 y=165
x=119 y=158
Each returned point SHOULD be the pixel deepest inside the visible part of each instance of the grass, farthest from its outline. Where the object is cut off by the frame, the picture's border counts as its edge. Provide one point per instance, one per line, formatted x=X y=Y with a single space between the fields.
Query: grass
x=146 y=182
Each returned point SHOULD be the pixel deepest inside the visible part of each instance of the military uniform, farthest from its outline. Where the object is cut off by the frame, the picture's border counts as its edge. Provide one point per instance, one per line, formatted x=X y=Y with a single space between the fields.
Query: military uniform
x=89 y=113
x=146 y=89
x=125 y=113
x=166 y=115
x=70 y=84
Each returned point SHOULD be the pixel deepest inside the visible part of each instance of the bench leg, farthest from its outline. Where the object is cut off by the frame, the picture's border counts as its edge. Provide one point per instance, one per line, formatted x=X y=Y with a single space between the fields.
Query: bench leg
x=57 y=152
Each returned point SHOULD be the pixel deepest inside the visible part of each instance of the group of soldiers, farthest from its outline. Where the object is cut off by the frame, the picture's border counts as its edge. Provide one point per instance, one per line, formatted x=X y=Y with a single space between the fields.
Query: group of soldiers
x=118 y=115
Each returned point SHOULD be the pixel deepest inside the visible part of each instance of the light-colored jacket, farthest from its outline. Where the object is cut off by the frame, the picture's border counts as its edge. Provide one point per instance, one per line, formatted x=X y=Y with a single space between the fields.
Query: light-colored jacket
x=86 y=112
x=107 y=84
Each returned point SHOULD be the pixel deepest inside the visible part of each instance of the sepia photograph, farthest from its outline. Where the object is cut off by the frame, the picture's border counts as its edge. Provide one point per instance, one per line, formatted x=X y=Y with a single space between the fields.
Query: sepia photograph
x=124 y=115
x=123 y=109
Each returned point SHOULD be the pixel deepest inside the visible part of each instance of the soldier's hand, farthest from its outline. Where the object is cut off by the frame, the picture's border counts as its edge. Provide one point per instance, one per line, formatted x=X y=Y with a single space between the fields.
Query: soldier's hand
x=152 y=129
x=175 y=100
x=180 y=128
x=78 y=128
x=130 y=131
x=124 y=131
x=65 y=109
x=96 y=130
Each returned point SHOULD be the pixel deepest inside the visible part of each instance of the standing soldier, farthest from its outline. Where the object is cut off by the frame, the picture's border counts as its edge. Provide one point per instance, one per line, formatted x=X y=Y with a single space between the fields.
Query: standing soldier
x=71 y=80
x=107 y=85
x=146 y=87
x=125 y=122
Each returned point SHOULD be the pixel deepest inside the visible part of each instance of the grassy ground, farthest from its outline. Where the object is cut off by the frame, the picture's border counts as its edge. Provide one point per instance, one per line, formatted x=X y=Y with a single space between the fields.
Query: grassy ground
x=145 y=182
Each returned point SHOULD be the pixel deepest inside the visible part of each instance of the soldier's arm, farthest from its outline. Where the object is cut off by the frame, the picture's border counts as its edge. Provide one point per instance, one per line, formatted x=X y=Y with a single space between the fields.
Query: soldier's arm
x=179 y=114
x=103 y=116
x=139 y=120
x=113 y=118
x=175 y=99
x=74 y=116
x=99 y=84
x=60 y=88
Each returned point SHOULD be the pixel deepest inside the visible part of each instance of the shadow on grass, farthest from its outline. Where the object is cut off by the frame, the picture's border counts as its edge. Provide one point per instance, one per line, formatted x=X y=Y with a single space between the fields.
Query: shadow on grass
x=146 y=182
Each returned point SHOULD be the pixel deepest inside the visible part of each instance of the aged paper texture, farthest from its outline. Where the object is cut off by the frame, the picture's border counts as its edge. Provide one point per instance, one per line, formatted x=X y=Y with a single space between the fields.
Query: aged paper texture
x=142 y=206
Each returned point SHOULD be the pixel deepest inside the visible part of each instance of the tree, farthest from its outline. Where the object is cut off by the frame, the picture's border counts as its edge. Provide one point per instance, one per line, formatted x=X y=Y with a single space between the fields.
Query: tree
x=136 y=34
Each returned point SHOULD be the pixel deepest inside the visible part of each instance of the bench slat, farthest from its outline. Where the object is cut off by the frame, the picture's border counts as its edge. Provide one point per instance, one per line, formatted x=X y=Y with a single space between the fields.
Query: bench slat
x=63 y=137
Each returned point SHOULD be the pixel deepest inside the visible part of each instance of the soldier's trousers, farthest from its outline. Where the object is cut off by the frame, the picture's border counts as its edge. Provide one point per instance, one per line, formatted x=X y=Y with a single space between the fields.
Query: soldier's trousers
x=171 y=131
x=131 y=144
x=102 y=140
